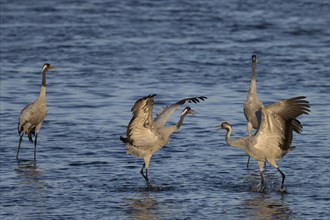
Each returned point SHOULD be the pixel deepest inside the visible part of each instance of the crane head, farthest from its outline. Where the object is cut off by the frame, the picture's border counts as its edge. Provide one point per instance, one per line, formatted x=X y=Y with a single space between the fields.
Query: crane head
x=254 y=58
x=47 y=66
x=187 y=111
x=225 y=125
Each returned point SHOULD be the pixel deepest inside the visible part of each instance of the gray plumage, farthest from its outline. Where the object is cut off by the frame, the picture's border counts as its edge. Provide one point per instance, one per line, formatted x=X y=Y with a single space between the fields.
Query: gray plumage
x=252 y=103
x=32 y=116
x=273 y=139
x=145 y=135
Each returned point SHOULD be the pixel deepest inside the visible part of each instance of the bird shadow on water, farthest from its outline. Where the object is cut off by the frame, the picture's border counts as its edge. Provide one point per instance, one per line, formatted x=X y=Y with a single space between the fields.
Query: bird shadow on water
x=144 y=188
x=263 y=206
x=29 y=172
x=158 y=188
x=142 y=207
x=272 y=184
x=250 y=182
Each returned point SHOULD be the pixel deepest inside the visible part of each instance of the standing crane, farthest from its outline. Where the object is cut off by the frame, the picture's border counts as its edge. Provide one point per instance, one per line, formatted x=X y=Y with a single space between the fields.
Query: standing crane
x=273 y=139
x=252 y=103
x=32 y=116
x=145 y=135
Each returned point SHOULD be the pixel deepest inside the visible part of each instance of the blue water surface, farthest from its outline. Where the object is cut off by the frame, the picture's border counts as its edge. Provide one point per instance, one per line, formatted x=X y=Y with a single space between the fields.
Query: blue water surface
x=111 y=53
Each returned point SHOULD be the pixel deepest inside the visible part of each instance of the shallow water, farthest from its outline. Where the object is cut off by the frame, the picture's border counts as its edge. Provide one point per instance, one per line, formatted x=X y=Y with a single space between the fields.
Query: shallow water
x=109 y=54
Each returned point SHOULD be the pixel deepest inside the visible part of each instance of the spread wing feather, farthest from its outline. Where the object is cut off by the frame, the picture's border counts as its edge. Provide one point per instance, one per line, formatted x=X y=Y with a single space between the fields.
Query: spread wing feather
x=278 y=121
x=140 y=131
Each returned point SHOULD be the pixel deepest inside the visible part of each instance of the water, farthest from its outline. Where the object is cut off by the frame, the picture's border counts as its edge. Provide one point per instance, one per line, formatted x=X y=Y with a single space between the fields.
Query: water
x=109 y=54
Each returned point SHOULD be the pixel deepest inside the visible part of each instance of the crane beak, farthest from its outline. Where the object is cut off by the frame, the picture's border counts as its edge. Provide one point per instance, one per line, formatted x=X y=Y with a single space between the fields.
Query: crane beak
x=192 y=112
x=52 y=68
x=221 y=126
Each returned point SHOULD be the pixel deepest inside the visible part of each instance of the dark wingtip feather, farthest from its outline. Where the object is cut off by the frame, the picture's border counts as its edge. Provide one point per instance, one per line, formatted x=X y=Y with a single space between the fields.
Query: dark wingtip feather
x=30 y=138
x=193 y=99
x=125 y=140
x=149 y=96
x=297 y=127
x=136 y=105
x=197 y=99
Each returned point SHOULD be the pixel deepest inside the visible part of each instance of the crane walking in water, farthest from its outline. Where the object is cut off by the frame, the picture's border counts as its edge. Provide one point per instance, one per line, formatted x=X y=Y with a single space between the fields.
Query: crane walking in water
x=273 y=139
x=252 y=103
x=145 y=135
x=32 y=116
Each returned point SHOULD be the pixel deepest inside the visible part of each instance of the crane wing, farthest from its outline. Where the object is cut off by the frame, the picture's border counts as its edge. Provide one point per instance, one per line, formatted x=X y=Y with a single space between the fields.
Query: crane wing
x=140 y=129
x=32 y=115
x=166 y=112
x=290 y=108
x=278 y=121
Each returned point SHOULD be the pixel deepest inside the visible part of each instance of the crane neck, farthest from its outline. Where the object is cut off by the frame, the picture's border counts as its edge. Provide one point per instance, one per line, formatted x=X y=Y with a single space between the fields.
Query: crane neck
x=43 y=85
x=236 y=142
x=229 y=130
x=254 y=70
x=253 y=84
x=180 y=122
x=170 y=130
x=44 y=77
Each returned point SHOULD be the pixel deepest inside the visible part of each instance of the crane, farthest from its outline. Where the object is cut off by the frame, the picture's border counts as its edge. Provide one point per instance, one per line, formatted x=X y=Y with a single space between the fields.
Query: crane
x=145 y=135
x=273 y=139
x=252 y=102
x=32 y=116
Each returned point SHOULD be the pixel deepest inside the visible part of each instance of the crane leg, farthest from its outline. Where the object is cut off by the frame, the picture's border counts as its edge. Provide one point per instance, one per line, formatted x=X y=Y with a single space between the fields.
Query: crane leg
x=247 y=165
x=262 y=186
x=147 y=178
x=283 y=178
x=261 y=165
x=249 y=128
x=19 y=144
x=35 y=146
x=146 y=175
x=142 y=173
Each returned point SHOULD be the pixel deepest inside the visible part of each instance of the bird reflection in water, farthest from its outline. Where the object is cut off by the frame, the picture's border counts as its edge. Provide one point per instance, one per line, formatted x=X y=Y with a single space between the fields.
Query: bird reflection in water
x=141 y=208
x=264 y=207
x=29 y=172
